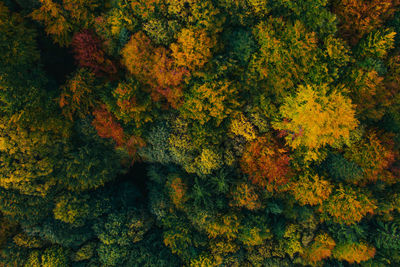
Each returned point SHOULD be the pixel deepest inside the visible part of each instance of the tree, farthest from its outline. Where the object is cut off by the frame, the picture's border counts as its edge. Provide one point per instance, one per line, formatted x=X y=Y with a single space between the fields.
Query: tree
x=118 y=233
x=78 y=95
x=341 y=169
x=348 y=206
x=288 y=55
x=210 y=101
x=62 y=19
x=193 y=48
x=89 y=54
x=374 y=157
x=313 y=119
x=266 y=164
x=311 y=190
x=154 y=67
x=320 y=249
x=354 y=252
x=377 y=44
x=134 y=105
x=244 y=195
x=358 y=18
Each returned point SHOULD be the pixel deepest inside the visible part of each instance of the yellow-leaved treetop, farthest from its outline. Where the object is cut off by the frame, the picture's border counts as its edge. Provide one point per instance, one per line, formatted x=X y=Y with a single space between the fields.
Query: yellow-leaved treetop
x=313 y=119
x=311 y=190
x=193 y=48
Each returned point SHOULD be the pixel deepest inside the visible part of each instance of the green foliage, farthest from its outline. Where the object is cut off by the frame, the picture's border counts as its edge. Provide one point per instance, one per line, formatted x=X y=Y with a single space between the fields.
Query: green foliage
x=339 y=168
x=377 y=44
x=203 y=133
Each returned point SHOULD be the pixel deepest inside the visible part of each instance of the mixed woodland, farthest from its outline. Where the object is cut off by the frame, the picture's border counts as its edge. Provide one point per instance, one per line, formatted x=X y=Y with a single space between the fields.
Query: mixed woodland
x=199 y=133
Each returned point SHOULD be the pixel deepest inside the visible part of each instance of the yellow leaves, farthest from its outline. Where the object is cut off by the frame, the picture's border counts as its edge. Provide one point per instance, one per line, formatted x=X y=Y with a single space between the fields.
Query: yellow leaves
x=245 y=196
x=225 y=225
x=208 y=161
x=348 y=206
x=377 y=44
x=210 y=100
x=313 y=119
x=311 y=190
x=193 y=48
x=242 y=127
x=354 y=252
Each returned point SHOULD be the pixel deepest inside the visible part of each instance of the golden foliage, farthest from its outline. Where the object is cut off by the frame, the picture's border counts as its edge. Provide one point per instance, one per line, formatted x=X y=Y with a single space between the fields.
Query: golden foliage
x=193 y=48
x=348 y=206
x=354 y=252
x=311 y=190
x=244 y=195
x=314 y=119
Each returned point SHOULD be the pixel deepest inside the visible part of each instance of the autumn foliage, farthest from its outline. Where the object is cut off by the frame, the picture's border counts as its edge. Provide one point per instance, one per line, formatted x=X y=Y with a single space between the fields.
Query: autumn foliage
x=88 y=53
x=199 y=133
x=266 y=163
x=354 y=252
x=360 y=17
x=154 y=67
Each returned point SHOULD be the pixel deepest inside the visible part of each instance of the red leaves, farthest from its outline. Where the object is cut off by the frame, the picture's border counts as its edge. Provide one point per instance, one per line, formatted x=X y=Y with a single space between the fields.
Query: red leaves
x=88 y=53
x=106 y=125
x=265 y=163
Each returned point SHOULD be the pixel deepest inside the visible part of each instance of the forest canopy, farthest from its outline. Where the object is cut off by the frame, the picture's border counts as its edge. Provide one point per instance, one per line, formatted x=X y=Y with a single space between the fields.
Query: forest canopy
x=199 y=133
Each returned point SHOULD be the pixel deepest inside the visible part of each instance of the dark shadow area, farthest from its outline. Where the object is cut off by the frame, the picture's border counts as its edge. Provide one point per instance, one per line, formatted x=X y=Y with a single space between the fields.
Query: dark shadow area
x=58 y=62
x=137 y=175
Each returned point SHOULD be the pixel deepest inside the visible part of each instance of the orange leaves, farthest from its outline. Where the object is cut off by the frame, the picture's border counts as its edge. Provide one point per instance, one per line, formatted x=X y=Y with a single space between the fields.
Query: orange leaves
x=311 y=190
x=245 y=196
x=265 y=163
x=193 y=48
x=167 y=78
x=358 y=17
x=177 y=192
x=348 y=206
x=354 y=252
x=153 y=66
x=77 y=95
x=320 y=249
x=108 y=127
x=137 y=56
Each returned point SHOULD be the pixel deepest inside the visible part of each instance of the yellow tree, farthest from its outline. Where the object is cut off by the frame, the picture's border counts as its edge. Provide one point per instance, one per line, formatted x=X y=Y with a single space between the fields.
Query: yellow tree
x=345 y=205
x=313 y=119
x=193 y=48
x=311 y=190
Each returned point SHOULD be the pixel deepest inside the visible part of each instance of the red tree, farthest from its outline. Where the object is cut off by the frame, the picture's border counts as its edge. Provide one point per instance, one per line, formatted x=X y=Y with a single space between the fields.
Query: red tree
x=88 y=53
x=266 y=163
